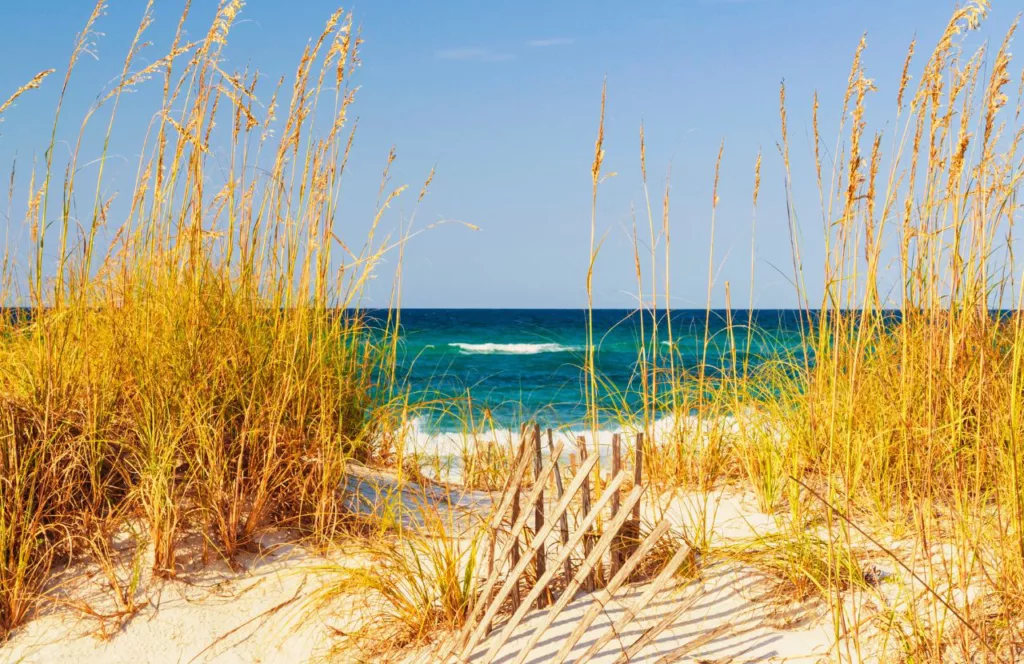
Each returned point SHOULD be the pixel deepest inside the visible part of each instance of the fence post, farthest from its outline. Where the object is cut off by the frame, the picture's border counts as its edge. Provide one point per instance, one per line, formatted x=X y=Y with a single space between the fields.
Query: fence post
x=638 y=472
x=588 y=538
x=616 y=546
x=630 y=535
x=538 y=513
x=515 y=516
x=563 y=521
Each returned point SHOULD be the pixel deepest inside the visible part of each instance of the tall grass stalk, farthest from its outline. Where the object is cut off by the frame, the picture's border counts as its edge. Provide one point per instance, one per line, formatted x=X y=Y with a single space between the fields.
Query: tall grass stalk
x=902 y=406
x=207 y=369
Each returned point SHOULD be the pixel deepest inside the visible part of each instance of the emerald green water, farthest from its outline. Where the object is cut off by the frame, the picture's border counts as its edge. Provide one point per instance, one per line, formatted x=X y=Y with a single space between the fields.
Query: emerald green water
x=523 y=364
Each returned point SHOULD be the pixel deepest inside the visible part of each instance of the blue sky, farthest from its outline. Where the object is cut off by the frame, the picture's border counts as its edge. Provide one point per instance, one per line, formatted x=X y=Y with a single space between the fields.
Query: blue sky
x=504 y=98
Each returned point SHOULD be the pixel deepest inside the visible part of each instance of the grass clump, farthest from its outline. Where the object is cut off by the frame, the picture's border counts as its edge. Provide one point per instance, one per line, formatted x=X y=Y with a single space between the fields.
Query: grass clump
x=803 y=565
x=902 y=405
x=208 y=371
x=422 y=580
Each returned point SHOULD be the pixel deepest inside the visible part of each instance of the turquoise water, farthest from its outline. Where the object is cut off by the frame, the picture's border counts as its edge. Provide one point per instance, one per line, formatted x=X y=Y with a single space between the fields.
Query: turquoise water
x=523 y=364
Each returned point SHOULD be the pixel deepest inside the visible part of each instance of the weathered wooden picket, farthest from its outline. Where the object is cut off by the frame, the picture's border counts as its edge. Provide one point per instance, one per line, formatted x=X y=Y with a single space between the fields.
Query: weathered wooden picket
x=594 y=550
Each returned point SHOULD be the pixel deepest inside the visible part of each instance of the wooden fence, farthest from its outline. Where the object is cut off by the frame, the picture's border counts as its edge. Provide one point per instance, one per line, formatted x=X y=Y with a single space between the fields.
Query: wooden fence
x=596 y=547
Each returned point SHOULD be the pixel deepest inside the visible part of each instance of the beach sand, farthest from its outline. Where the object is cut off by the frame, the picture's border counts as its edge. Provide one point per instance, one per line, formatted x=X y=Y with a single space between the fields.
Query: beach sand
x=257 y=613
x=262 y=610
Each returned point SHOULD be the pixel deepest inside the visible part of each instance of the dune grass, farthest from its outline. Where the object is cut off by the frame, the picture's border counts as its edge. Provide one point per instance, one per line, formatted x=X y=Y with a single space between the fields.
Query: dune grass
x=206 y=371
x=422 y=581
x=902 y=417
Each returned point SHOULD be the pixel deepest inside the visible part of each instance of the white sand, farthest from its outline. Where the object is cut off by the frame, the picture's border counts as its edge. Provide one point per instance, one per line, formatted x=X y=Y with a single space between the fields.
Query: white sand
x=262 y=613
x=725 y=597
x=738 y=601
x=216 y=615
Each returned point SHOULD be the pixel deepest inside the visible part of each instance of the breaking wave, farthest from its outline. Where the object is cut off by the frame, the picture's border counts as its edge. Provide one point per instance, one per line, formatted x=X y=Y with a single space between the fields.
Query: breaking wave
x=511 y=349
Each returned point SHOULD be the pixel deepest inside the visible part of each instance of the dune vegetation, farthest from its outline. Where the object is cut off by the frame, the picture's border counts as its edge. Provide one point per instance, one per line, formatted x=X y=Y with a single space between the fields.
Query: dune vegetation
x=202 y=372
x=899 y=424
x=209 y=369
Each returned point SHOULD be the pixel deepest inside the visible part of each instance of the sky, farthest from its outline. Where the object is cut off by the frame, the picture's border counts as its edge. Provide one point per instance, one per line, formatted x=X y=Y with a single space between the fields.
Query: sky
x=503 y=99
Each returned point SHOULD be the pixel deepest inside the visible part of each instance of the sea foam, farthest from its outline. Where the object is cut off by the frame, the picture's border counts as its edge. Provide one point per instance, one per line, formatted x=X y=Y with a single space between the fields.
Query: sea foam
x=511 y=349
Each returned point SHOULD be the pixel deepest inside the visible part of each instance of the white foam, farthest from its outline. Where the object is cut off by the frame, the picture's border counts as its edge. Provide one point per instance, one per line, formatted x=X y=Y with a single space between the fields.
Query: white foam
x=450 y=446
x=512 y=349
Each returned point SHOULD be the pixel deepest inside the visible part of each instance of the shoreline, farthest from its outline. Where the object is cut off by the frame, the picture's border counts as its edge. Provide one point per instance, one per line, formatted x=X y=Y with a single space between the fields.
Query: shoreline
x=452 y=447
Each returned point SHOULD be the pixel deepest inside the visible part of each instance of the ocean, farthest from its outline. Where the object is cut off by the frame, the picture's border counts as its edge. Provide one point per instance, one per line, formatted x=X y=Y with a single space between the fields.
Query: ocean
x=514 y=365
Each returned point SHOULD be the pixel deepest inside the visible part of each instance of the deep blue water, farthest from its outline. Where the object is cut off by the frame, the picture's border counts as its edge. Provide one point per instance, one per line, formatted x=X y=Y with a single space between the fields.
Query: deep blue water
x=527 y=363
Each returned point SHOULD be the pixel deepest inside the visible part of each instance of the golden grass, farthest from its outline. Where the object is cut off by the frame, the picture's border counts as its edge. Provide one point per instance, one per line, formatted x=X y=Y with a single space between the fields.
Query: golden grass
x=909 y=424
x=205 y=371
x=422 y=581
